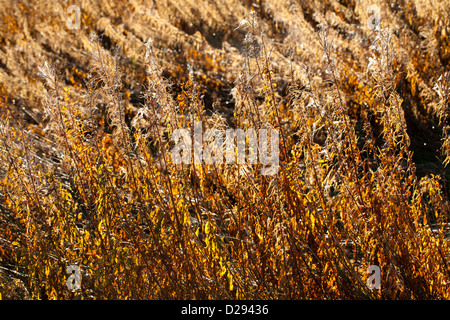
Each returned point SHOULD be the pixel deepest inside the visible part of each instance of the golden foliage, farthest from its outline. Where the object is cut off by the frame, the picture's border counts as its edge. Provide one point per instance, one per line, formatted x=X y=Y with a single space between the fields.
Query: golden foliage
x=86 y=176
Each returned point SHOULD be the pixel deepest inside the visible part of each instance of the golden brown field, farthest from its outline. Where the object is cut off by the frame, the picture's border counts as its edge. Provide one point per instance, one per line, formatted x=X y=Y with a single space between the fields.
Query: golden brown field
x=359 y=92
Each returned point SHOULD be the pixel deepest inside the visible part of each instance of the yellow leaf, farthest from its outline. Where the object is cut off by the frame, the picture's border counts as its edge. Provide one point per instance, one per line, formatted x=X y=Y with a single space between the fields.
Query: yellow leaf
x=313 y=220
x=100 y=224
x=230 y=279
x=208 y=227
x=223 y=271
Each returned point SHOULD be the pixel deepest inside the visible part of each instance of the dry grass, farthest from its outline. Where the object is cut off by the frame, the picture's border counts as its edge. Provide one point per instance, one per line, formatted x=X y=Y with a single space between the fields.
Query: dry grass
x=87 y=177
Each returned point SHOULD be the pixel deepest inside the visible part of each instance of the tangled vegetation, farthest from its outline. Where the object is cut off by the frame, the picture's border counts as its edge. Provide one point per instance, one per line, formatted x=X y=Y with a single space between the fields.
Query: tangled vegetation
x=87 y=179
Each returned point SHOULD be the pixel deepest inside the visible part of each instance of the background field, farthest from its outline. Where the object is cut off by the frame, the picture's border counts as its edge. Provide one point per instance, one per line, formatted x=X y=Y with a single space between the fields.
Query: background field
x=87 y=178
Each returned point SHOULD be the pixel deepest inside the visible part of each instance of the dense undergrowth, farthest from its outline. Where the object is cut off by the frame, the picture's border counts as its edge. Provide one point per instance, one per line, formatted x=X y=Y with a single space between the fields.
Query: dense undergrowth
x=87 y=177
